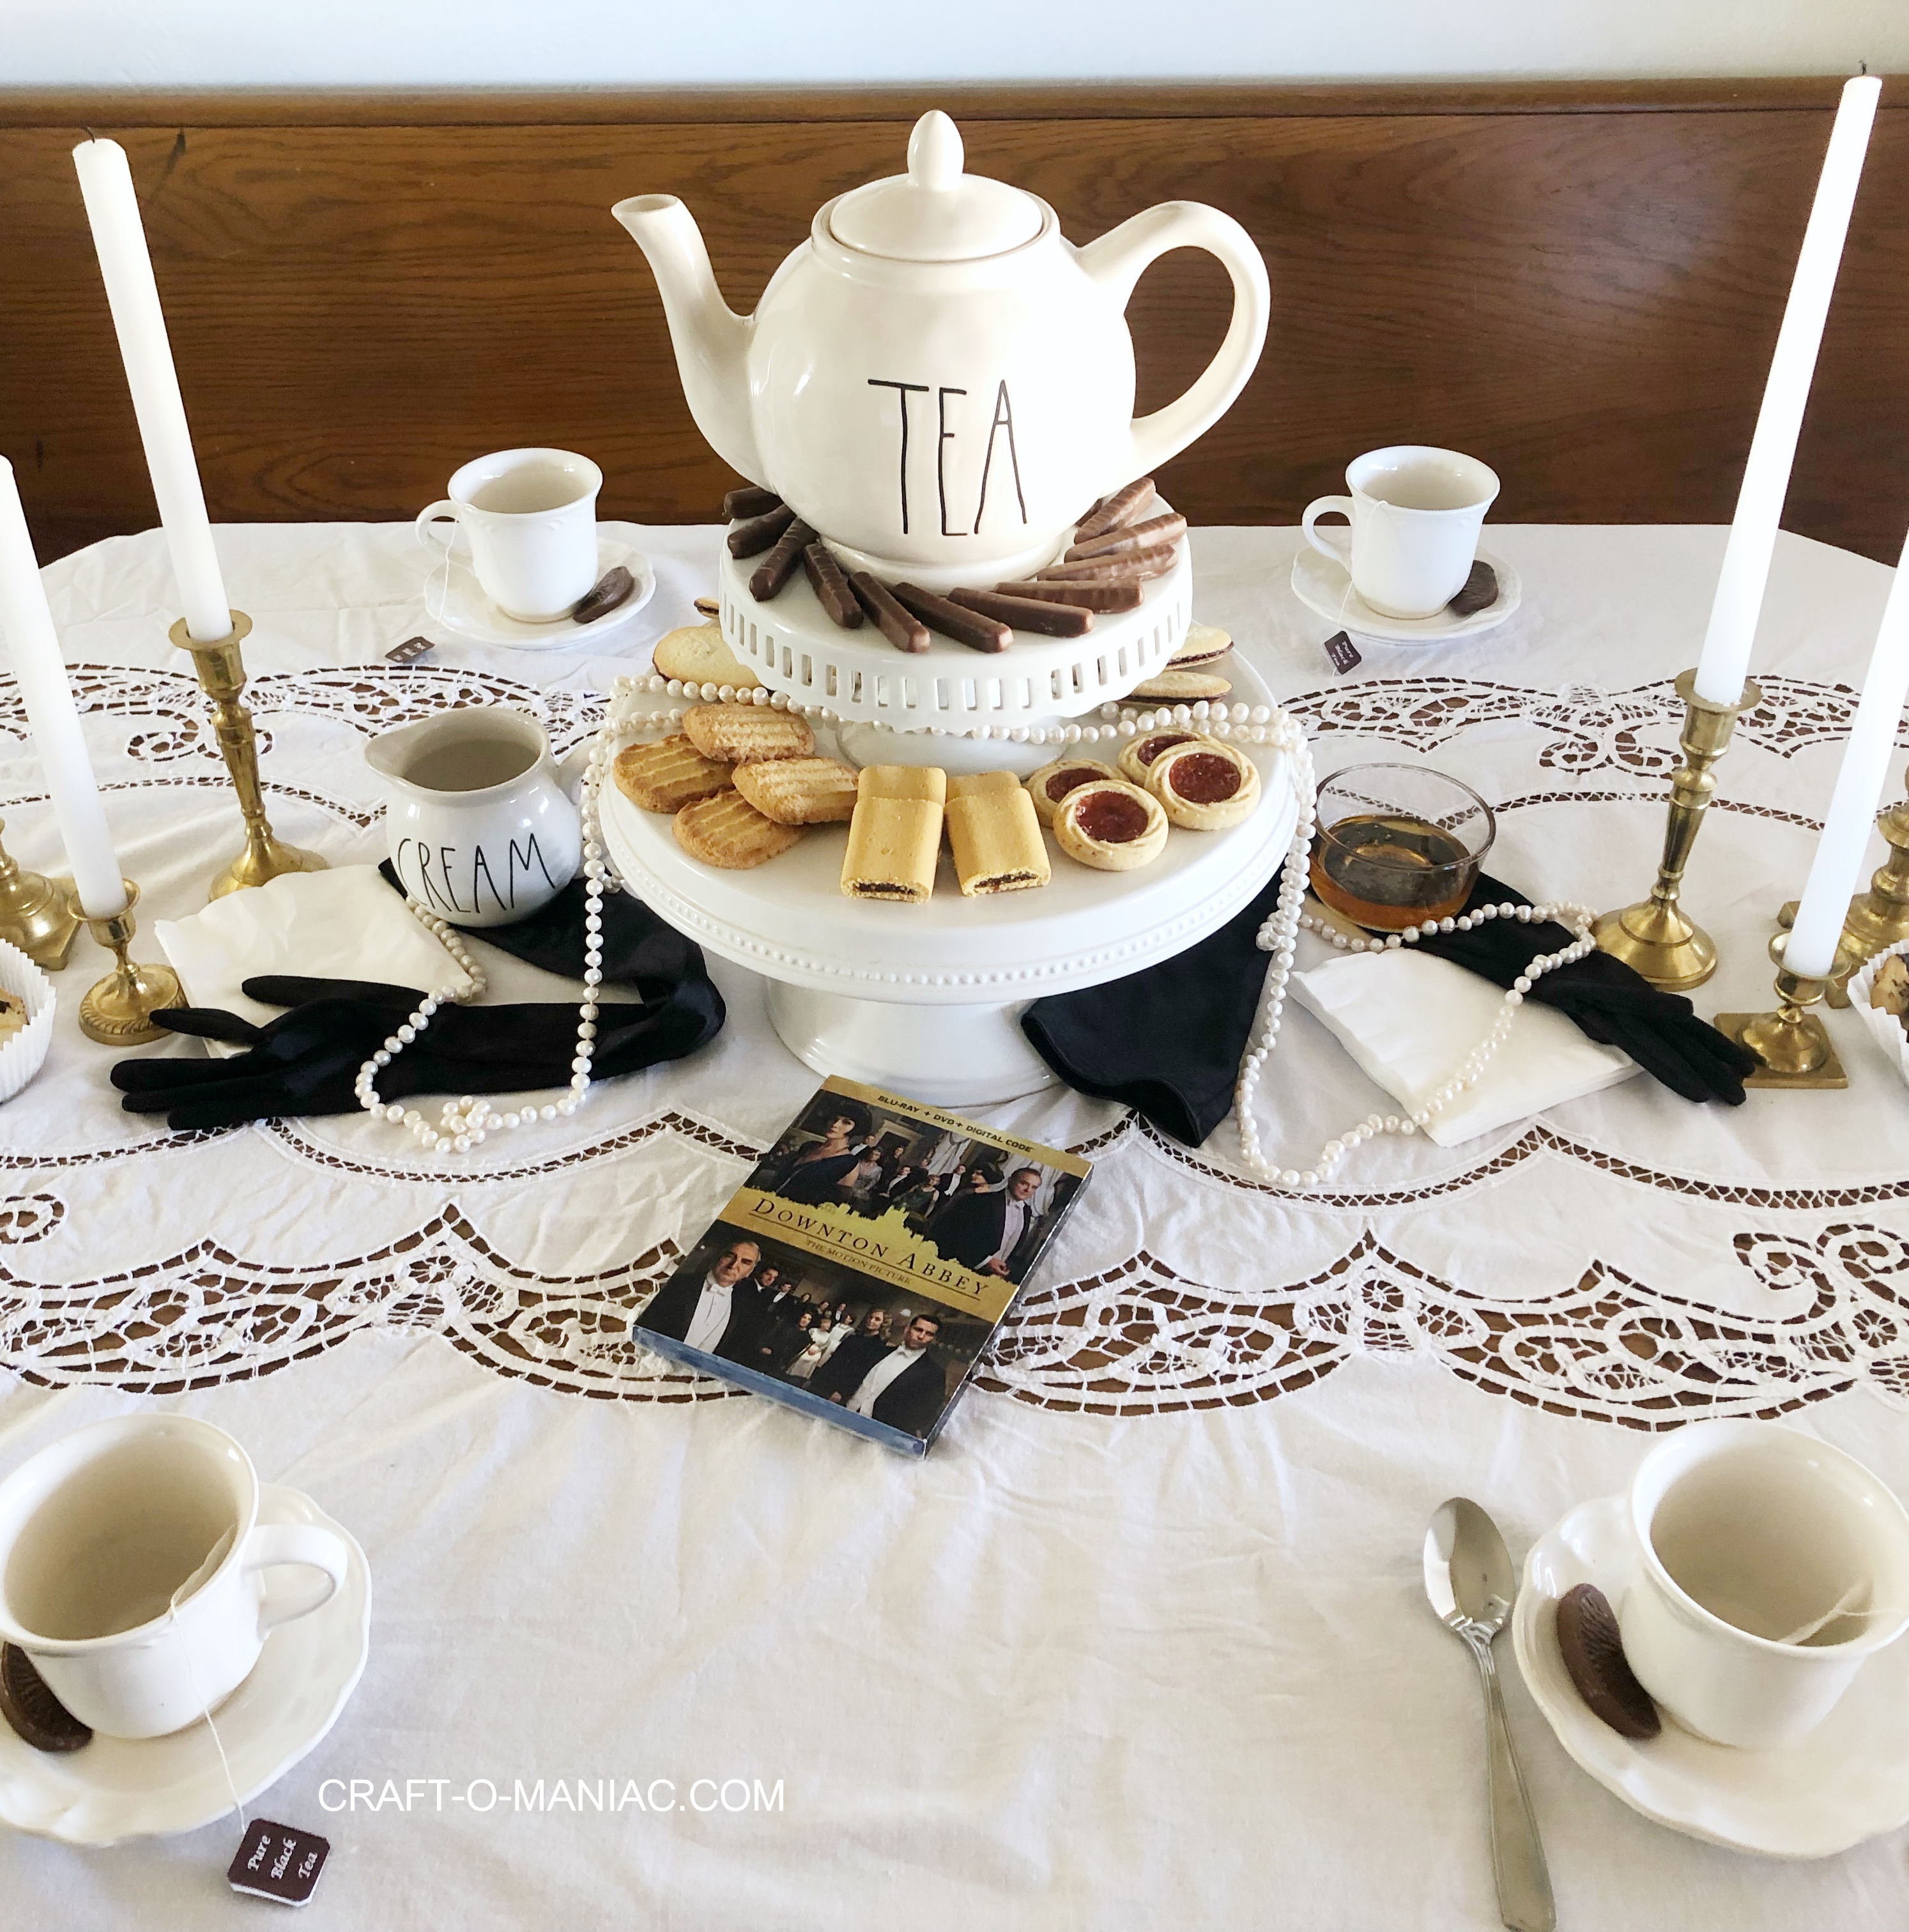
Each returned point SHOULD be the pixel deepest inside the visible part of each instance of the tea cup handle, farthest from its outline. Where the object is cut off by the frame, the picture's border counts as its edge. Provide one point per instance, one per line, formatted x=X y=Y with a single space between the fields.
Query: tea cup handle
x=1323 y=540
x=428 y=525
x=306 y=1544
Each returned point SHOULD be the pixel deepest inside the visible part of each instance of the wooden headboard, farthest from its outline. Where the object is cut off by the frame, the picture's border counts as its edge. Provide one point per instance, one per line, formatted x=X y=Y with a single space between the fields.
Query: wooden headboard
x=1581 y=283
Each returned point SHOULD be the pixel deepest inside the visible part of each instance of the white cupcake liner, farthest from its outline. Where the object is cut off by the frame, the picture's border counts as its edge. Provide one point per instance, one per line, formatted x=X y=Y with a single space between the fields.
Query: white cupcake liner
x=1888 y=1032
x=22 y=1055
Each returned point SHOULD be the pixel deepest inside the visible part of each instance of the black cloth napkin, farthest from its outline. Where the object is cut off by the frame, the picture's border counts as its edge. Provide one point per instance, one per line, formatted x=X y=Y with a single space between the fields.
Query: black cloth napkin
x=1167 y=1041
x=306 y=1061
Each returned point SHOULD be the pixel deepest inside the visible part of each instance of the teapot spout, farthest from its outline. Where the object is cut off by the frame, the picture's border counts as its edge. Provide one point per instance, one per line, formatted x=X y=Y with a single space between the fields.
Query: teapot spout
x=710 y=338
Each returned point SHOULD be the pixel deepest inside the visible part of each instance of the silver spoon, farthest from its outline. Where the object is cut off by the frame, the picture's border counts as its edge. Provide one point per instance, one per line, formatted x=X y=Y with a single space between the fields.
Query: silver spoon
x=1469 y=1579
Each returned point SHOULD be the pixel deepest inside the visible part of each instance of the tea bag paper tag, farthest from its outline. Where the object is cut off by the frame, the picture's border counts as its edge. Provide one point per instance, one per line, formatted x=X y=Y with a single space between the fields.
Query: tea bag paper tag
x=278 y=1861
x=409 y=651
x=1343 y=652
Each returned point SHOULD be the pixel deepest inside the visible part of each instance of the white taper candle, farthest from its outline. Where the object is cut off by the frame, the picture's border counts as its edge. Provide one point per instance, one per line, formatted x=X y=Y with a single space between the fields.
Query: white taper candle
x=105 y=182
x=33 y=650
x=1739 y=596
x=1833 y=873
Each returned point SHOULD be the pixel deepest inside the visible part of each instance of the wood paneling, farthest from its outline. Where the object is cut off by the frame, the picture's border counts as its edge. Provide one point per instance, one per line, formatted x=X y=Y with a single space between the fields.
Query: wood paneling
x=1580 y=284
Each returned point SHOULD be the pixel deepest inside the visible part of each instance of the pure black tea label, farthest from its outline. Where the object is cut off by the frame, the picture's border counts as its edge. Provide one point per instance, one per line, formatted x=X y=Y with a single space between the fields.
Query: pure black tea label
x=1343 y=652
x=278 y=1861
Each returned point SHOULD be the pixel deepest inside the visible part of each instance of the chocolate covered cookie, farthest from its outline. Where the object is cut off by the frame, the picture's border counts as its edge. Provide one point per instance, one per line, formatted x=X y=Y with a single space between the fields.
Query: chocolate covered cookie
x=1593 y=1653
x=35 y=1713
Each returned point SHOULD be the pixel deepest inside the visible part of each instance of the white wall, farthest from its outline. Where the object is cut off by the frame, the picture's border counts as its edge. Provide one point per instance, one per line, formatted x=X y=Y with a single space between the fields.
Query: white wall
x=454 y=43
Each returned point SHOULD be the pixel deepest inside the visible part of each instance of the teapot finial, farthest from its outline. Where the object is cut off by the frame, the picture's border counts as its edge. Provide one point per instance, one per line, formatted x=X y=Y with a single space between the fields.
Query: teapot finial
x=935 y=152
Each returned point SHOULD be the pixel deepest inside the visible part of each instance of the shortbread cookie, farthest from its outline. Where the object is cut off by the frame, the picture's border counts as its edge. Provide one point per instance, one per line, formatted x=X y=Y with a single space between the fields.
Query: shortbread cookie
x=995 y=838
x=978 y=784
x=1205 y=787
x=1203 y=644
x=727 y=831
x=1178 y=687
x=697 y=654
x=1137 y=754
x=1053 y=783
x=1111 y=825
x=799 y=791
x=1889 y=990
x=928 y=781
x=893 y=845
x=747 y=734
x=667 y=777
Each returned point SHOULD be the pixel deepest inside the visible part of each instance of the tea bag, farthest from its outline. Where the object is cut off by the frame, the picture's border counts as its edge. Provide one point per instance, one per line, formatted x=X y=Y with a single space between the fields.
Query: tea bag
x=214 y=1558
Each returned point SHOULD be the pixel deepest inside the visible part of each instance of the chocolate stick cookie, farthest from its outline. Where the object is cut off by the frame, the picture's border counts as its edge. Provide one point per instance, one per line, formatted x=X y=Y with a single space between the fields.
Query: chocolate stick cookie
x=830 y=587
x=965 y=627
x=901 y=629
x=1083 y=596
x=1167 y=529
x=1131 y=568
x=779 y=565
x=759 y=533
x=1112 y=511
x=751 y=500
x=1027 y=613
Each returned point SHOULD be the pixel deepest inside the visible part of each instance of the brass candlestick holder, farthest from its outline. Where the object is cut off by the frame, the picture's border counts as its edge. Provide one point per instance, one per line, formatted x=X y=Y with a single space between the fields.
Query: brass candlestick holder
x=1656 y=936
x=1878 y=918
x=117 y=1012
x=39 y=915
x=221 y=671
x=1792 y=1043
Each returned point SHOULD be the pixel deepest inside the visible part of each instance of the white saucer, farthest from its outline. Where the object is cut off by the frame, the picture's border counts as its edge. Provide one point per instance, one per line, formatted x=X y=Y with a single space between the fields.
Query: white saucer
x=1848 y=1780
x=116 y=1788
x=455 y=599
x=1323 y=586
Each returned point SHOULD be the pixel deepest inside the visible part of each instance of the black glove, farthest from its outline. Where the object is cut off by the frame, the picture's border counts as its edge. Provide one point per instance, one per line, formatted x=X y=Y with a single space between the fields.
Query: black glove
x=306 y=1061
x=1166 y=1040
x=1606 y=1000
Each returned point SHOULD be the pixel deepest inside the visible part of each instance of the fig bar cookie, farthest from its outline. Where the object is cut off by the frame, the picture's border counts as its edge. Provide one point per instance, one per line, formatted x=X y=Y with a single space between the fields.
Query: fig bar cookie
x=994 y=836
x=1593 y=1653
x=1110 y=825
x=727 y=831
x=747 y=734
x=667 y=777
x=1178 y=687
x=799 y=791
x=1203 y=644
x=894 y=836
x=1053 y=783
x=1139 y=753
x=696 y=655
x=1205 y=787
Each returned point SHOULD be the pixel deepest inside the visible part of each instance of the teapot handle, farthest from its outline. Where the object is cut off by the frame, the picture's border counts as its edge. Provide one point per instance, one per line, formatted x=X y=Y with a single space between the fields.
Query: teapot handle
x=1117 y=261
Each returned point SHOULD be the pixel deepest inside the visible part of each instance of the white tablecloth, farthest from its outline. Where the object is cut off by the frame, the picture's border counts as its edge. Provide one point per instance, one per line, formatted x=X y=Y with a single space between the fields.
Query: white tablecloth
x=1143 y=1641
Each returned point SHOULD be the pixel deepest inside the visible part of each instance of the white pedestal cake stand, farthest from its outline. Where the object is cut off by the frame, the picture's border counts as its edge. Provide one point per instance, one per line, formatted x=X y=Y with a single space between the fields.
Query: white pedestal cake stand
x=927 y=999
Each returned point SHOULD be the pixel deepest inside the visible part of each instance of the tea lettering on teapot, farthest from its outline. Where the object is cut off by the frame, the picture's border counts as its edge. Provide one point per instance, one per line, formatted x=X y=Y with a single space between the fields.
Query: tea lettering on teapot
x=1002 y=420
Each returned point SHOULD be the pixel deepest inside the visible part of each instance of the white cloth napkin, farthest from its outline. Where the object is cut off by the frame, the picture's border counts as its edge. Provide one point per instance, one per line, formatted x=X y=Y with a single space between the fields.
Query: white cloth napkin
x=1409 y=1019
x=343 y=924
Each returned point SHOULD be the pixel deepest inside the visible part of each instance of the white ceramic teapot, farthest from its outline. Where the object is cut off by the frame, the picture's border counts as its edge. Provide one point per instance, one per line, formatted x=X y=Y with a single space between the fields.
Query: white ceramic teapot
x=480 y=828
x=939 y=381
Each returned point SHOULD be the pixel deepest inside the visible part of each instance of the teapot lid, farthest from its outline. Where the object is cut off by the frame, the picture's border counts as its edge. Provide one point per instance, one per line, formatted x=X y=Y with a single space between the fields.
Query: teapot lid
x=935 y=213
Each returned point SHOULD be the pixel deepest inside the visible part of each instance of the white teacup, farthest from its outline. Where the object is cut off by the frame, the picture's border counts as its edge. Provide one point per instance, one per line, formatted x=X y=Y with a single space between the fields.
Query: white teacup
x=1770 y=1567
x=529 y=517
x=130 y=1562
x=1415 y=514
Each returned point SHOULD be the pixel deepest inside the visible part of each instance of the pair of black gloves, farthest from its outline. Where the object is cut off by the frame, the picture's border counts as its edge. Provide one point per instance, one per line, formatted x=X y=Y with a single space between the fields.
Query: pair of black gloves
x=306 y=1061
x=1167 y=1041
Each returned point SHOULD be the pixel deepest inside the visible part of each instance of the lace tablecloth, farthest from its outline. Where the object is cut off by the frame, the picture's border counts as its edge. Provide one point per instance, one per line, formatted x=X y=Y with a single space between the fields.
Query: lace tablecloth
x=1143 y=1641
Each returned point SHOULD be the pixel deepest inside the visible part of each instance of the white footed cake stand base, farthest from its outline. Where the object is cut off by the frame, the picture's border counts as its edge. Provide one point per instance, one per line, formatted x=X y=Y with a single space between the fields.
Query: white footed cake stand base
x=927 y=999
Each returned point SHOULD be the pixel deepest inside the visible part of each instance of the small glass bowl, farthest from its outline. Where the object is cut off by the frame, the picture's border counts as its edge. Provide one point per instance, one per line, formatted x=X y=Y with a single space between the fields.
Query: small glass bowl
x=1398 y=844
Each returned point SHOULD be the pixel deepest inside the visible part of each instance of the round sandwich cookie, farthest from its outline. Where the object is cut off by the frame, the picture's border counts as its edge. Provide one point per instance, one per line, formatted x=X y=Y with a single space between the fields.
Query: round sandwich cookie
x=1138 y=754
x=1203 y=644
x=1205 y=787
x=1593 y=1653
x=1111 y=825
x=1178 y=687
x=36 y=1715
x=1053 y=783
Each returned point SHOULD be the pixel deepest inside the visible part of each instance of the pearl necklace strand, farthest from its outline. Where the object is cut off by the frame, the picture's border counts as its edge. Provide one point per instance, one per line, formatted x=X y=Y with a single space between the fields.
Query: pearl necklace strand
x=466 y=1123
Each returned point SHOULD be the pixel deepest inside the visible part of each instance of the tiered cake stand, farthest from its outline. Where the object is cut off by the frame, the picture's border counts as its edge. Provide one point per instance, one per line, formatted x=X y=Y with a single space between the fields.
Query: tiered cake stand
x=927 y=999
